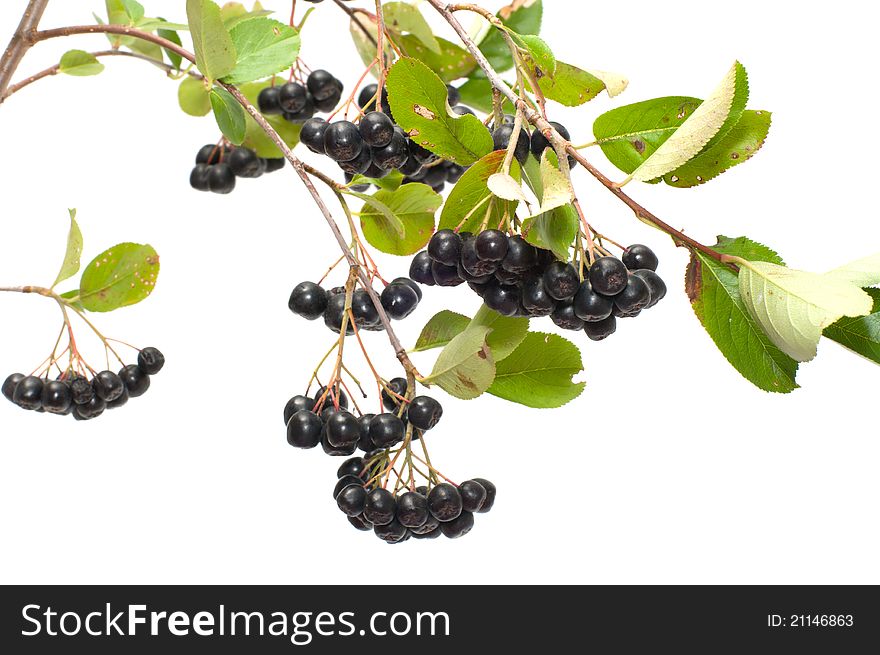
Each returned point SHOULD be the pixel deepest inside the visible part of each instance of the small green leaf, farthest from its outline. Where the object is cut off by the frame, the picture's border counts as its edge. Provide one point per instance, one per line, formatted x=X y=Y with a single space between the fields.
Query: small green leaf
x=70 y=265
x=555 y=230
x=402 y=17
x=255 y=138
x=507 y=333
x=470 y=203
x=713 y=290
x=171 y=35
x=214 y=50
x=556 y=189
x=442 y=328
x=451 y=63
x=393 y=223
x=419 y=101
x=121 y=276
x=194 y=97
x=135 y=10
x=570 y=85
x=229 y=115
x=234 y=13
x=79 y=63
x=860 y=334
x=264 y=47
x=465 y=368
x=539 y=372
x=390 y=182
x=414 y=206
x=521 y=16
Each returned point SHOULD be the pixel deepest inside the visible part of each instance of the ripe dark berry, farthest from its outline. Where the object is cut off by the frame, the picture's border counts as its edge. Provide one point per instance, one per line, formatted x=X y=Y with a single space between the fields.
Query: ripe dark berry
x=92 y=409
x=399 y=301
x=354 y=466
x=367 y=98
x=393 y=154
x=360 y=524
x=344 y=450
x=363 y=309
x=387 y=430
x=634 y=297
x=29 y=393
x=424 y=412
x=198 y=178
x=245 y=163
x=136 y=381
x=655 y=283
x=351 y=500
x=329 y=103
x=344 y=482
x=308 y=300
x=589 y=305
x=9 y=385
x=564 y=317
x=334 y=315
x=312 y=134
x=535 y=299
x=392 y=533
x=304 y=429
x=410 y=283
x=296 y=404
x=444 y=502
x=81 y=389
x=521 y=255
x=431 y=534
x=364 y=442
x=292 y=97
x=412 y=510
x=380 y=507
x=332 y=397
x=392 y=402
x=307 y=111
x=343 y=429
x=454 y=172
x=501 y=140
x=490 y=495
x=221 y=179
x=431 y=524
x=321 y=84
x=56 y=398
x=561 y=280
x=269 y=101
x=598 y=330
x=151 y=360
x=445 y=247
x=502 y=298
x=119 y=402
x=434 y=176
x=421 y=154
x=473 y=495
x=608 y=275
x=210 y=154
x=342 y=141
x=471 y=261
x=360 y=164
x=459 y=526
x=375 y=172
x=491 y=245
x=411 y=169
x=274 y=163
x=540 y=142
x=108 y=386
x=461 y=110
x=638 y=256
x=445 y=276
x=453 y=95
x=376 y=129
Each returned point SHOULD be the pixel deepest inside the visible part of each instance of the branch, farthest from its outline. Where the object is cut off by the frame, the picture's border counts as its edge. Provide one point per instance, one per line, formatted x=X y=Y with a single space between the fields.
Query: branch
x=122 y=30
x=556 y=139
x=20 y=42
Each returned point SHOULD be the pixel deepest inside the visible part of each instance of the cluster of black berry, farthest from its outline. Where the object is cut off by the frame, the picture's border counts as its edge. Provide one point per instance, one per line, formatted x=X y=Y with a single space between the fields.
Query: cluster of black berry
x=425 y=513
x=516 y=279
x=217 y=166
x=311 y=301
x=375 y=146
x=85 y=399
x=298 y=103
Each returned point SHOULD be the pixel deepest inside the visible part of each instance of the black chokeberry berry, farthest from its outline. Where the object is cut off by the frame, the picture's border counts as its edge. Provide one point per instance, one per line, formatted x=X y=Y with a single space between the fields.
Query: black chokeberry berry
x=308 y=300
x=535 y=299
x=634 y=297
x=344 y=482
x=303 y=114
x=380 y=507
x=92 y=409
x=198 y=178
x=640 y=256
x=461 y=110
x=561 y=280
x=599 y=330
x=453 y=95
x=136 y=381
x=444 y=502
x=564 y=317
x=399 y=301
x=151 y=360
x=434 y=176
x=445 y=276
x=28 y=393
x=473 y=495
x=608 y=276
x=491 y=245
x=655 y=283
x=391 y=401
x=274 y=163
x=424 y=412
x=431 y=524
x=292 y=98
x=332 y=397
x=367 y=99
x=364 y=442
x=421 y=154
x=57 y=398
x=81 y=389
x=354 y=466
x=490 y=495
x=540 y=142
x=412 y=510
x=459 y=526
x=329 y=103
x=376 y=129
x=108 y=386
x=392 y=533
x=411 y=169
x=501 y=140
x=304 y=429
x=343 y=429
x=335 y=451
x=210 y=154
x=221 y=179
x=245 y=163
x=387 y=430
x=364 y=311
x=321 y=84
x=269 y=101
x=9 y=385
x=334 y=315
x=360 y=164
x=119 y=402
x=342 y=141
x=454 y=172
x=589 y=305
x=471 y=261
x=312 y=134
x=351 y=500
x=360 y=523
x=502 y=298
x=445 y=247
x=410 y=283
x=393 y=154
x=521 y=255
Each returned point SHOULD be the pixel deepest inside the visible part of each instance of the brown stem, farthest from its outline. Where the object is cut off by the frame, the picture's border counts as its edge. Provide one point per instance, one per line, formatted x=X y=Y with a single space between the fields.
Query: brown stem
x=557 y=139
x=122 y=30
x=20 y=42
x=354 y=17
x=380 y=52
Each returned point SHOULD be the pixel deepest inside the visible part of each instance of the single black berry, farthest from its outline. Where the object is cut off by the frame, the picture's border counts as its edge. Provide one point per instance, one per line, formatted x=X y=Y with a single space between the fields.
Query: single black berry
x=634 y=297
x=342 y=141
x=296 y=404
x=473 y=495
x=412 y=169
x=446 y=276
x=57 y=398
x=308 y=300
x=108 y=386
x=81 y=389
x=521 y=255
x=344 y=482
x=424 y=412
x=608 y=275
x=365 y=313
x=391 y=401
x=445 y=247
x=360 y=523
x=502 y=298
x=655 y=283
x=321 y=84
x=491 y=245
x=136 y=381
x=9 y=385
x=591 y=306
x=198 y=178
x=380 y=507
x=221 y=179
x=376 y=129
x=431 y=524
x=387 y=430
x=274 y=163
x=334 y=396
x=351 y=500
x=92 y=409
x=360 y=164
x=329 y=103
x=334 y=315
x=312 y=134
x=459 y=526
x=367 y=98
x=364 y=442
x=639 y=256
x=410 y=283
x=412 y=509
x=29 y=393
x=501 y=140
x=444 y=502
x=471 y=261
x=269 y=100
x=304 y=429
x=421 y=154
x=344 y=450
x=151 y=360
x=245 y=163
x=354 y=466
x=119 y=402
x=399 y=301
x=392 y=533
x=393 y=154
x=343 y=429
x=535 y=299
x=211 y=154
x=292 y=97
x=490 y=495
x=598 y=330
x=561 y=280
x=301 y=116
x=564 y=317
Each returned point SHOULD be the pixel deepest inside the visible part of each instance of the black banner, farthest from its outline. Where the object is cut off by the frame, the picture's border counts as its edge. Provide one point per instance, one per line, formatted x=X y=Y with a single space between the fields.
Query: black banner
x=436 y=619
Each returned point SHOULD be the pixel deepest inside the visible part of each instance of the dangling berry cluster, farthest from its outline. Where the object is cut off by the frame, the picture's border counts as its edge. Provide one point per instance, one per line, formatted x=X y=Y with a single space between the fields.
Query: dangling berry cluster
x=217 y=166
x=74 y=394
x=311 y=301
x=296 y=102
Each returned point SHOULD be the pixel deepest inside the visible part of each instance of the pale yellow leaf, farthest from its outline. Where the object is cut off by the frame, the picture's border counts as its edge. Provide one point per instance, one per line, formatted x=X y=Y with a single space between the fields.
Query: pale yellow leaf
x=505 y=186
x=615 y=84
x=863 y=272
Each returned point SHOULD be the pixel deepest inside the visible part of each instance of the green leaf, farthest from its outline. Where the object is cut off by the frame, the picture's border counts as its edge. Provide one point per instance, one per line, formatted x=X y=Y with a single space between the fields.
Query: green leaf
x=554 y=230
x=390 y=182
x=507 y=187
x=402 y=17
x=73 y=296
x=860 y=334
x=556 y=189
x=229 y=114
x=569 y=85
x=476 y=93
x=365 y=41
x=79 y=63
x=521 y=16
x=465 y=368
x=470 y=198
x=414 y=206
x=419 y=102
x=451 y=63
x=194 y=97
x=171 y=35
x=540 y=56
x=215 y=53
x=393 y=223
x=121 y=276
x=713 y=290
x=255 y=137
x=539 y=372
x=119 y=12
x=442 y=328
x=135 y=10
x=70 y=265
x=739 y=145
x=507 y=332
x=264 y=47
x=234 y=13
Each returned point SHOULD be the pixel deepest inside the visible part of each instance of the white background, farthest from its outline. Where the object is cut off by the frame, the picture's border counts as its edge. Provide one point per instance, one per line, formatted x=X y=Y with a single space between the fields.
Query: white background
x=670 y=468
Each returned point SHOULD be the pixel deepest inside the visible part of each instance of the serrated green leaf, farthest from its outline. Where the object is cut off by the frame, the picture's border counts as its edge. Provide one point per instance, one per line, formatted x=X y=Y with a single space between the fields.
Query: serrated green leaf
x=451 y=63
x=390 y=182
x=540 y=57
x=392 y=223
x=214 y=50
x=465 y=368
x=860 y=334
x=614 y=83
x=556 y=189
x=419 y=102
x=194 y=97
x=70 y=265
x=121 y=276
x=539 y=372
x=234 y=13
x=555 y=230
x=440 y=329
x=402 y=17
x=79 y=63
x=171 y=35
x=255 y=138
x=569 y=85
x=264 y=47
x=713 y=290
x=414 y=206
x=507 y=332
x=521 y=16
x=229 y=114
x=471 y=203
